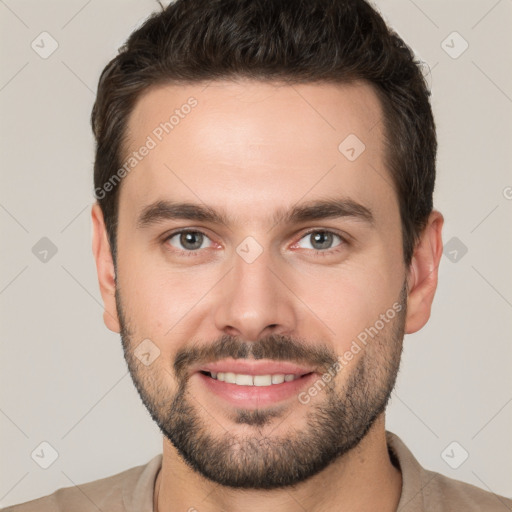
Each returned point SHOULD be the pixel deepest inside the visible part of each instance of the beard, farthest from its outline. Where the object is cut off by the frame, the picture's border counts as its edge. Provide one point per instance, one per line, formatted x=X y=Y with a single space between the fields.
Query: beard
x=251 y=457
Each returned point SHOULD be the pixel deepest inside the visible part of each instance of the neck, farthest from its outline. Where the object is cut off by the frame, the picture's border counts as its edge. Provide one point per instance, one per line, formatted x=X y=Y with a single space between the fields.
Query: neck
x=362 y=479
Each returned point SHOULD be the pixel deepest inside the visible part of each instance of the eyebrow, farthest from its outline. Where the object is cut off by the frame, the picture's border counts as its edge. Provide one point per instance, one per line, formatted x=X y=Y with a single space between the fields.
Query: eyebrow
x=161 y=211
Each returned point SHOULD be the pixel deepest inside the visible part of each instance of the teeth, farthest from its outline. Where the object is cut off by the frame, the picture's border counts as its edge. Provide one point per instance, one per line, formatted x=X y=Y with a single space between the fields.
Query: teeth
x=229 y=377
x=244 y=380
x=253 y=380
x=277 y=379
x=262 y=380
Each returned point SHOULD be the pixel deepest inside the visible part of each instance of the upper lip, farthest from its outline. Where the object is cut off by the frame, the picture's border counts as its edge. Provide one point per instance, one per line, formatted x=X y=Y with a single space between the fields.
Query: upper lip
x=259 y=367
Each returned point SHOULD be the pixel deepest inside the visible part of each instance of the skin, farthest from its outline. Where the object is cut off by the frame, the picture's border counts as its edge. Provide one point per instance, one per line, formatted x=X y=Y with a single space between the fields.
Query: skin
x=250 y=148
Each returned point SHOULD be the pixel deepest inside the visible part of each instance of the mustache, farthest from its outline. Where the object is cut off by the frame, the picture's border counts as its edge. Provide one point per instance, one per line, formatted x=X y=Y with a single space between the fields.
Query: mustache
x=275 y=347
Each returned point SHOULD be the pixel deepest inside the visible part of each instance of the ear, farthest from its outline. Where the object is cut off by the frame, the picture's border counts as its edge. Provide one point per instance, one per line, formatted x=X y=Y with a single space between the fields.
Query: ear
x=423 y=272
x=105 y=268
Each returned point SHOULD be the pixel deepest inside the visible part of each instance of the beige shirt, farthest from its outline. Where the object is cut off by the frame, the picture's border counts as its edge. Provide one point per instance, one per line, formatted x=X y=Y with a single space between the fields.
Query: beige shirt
x=132 y=490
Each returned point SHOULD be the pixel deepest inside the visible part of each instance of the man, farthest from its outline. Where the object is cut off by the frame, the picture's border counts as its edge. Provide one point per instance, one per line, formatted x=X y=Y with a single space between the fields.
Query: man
x=264 y=237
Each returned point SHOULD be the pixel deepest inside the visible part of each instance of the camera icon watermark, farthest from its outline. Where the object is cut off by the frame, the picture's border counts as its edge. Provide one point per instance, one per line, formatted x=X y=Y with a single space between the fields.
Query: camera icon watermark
x=454 y=45
x=147 y=352
x=454 y=249
x=44 y=455
x=454 y=455
x=249 y=249
x=352 y=147
x=44 y=45
x=44 y=250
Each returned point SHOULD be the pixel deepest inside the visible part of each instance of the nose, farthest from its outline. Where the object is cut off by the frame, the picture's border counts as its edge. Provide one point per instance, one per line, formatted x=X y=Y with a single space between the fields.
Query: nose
x=255 y=300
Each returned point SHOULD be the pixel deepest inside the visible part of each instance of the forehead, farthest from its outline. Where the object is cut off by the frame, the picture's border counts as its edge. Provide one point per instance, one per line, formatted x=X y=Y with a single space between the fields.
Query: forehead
x=247 y=146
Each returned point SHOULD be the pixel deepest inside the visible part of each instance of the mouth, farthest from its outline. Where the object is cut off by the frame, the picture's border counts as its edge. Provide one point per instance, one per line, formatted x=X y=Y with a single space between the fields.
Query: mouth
x=244 y=379
x=252 y=384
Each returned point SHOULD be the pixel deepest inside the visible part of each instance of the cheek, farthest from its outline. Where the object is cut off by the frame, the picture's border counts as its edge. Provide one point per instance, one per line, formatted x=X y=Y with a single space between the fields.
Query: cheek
x=162 y=301
x=348 y=300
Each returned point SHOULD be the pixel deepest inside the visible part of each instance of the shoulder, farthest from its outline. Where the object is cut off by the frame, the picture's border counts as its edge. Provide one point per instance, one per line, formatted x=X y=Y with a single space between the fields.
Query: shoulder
x=426 y=491
x=442 y=493
x=116 y=493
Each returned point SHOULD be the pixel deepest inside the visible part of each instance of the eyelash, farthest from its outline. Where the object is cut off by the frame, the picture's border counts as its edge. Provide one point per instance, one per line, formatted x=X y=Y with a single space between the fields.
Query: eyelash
x=316 y=252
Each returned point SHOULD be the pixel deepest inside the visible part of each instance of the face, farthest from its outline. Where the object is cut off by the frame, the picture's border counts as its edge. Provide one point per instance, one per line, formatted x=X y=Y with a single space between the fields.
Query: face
x=283 y=274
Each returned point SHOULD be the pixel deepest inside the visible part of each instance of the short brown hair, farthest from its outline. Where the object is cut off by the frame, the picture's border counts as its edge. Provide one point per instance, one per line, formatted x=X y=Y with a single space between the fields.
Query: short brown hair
x=295 y=41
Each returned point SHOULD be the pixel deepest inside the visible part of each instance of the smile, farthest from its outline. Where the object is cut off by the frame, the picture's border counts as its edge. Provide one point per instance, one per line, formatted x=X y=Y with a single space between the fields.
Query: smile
x=241 y=379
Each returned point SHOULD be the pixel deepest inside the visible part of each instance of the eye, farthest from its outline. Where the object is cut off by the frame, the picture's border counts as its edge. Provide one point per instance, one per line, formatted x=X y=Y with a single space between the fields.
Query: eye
x=188 y=241
x=321 y=240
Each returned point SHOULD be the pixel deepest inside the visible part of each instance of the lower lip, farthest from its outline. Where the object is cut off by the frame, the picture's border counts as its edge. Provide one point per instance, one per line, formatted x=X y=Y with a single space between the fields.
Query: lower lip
x=252 y=397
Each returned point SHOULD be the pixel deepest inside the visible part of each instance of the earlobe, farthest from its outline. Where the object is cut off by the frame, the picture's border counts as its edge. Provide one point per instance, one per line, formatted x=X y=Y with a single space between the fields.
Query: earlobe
x=423 y=273
x=104 y=268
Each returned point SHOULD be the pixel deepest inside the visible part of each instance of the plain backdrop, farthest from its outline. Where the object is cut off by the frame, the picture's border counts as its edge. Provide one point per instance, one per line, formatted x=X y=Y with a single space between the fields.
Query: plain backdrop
x=63 y=377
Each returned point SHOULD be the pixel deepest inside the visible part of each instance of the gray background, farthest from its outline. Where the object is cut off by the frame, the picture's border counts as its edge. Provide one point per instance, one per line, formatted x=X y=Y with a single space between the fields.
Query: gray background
x=63 y=376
